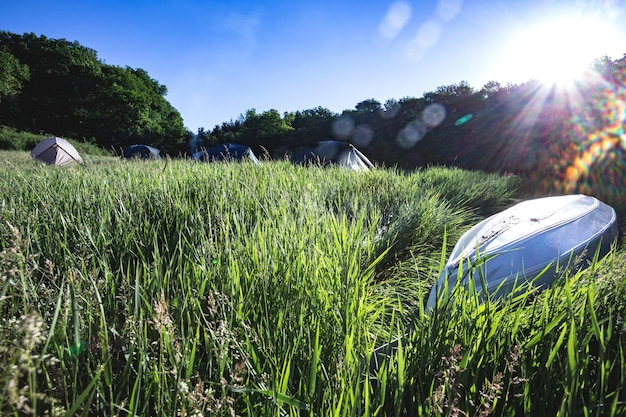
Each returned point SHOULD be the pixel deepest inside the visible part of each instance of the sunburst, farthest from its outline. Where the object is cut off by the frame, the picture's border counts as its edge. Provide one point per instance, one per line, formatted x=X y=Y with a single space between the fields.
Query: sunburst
x=560 y=49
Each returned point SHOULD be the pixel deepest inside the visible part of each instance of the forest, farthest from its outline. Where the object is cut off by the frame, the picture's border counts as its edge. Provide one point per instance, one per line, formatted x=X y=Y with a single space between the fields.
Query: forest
x=58 y=87
x=53 y=86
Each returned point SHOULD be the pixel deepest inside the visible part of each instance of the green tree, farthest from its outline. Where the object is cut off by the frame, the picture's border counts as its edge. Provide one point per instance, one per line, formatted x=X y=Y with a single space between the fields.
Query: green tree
x=312 y=123
x=490 y=89
x=13 y=75
x=71 y=93
x=308 y=126
x=61 y=77
x=268 y=124
x=226 y=132
x=130 y=108
x=265 y=129
x=368 y=106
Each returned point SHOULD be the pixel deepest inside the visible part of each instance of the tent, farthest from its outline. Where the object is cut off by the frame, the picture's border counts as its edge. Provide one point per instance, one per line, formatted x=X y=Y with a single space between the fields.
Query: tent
x=333 y=152
x=226 y=152
x=529 y=244
x=141 y=152
x=56 y=151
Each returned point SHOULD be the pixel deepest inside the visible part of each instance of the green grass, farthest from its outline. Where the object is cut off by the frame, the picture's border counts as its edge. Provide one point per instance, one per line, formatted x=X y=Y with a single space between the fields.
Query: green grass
x=175 y=288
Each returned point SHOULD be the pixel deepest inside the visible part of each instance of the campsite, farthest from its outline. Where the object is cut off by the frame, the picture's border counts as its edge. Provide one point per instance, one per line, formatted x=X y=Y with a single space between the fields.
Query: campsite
x=257 y=268
x=170 y=287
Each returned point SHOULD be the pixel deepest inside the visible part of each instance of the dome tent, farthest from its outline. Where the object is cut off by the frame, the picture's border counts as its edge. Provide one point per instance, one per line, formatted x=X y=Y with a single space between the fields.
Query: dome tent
x=141 y=152
x=56 y=151
x=332 y=152
x=226 y=152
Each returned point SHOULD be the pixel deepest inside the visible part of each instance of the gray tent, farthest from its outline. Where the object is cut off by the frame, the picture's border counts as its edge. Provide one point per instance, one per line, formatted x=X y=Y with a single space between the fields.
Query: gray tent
x=226 y=152
x=332 y=152
x=56 y=151
x=141 y=152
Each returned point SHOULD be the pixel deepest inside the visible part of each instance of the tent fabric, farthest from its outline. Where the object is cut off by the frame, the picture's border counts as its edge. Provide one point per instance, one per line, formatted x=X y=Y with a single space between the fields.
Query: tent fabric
x=226 y=152
x=56 y=151
x=141 y=152
x=532 y=242
x=333 y=153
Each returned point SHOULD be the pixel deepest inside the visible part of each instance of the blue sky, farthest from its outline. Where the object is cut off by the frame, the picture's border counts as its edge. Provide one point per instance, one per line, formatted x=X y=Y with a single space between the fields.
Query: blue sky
x=221 y=58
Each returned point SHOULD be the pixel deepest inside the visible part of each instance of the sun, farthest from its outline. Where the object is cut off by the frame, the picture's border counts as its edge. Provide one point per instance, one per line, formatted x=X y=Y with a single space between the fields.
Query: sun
x=558 y=51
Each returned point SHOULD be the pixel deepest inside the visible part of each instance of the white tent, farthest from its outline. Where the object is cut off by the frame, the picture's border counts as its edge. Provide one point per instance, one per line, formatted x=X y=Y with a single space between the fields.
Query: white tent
x=56 y=151
x=530 y=243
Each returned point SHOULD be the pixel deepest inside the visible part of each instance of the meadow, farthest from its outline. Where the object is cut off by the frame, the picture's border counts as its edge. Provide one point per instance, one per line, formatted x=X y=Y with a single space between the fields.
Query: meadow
x=172 y=288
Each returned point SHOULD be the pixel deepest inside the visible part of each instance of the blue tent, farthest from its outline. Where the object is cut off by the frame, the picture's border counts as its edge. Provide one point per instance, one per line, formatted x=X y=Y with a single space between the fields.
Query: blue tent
x=141 y=152
x=226 y=152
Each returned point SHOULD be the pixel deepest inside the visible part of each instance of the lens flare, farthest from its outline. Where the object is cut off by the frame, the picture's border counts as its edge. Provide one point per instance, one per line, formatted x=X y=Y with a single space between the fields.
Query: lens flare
x=560 y=48
x=411 y=134
x=363 y=135
x=343 y=127
x=395 y=20
x=449 y=9
x=434 y=114
x=566 y=140
x=426 y=37
x=462 y=120
x=599 y=163
x=592 y=157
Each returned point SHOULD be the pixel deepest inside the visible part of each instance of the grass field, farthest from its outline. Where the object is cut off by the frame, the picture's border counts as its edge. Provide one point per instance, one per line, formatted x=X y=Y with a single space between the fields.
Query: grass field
x=175 y=288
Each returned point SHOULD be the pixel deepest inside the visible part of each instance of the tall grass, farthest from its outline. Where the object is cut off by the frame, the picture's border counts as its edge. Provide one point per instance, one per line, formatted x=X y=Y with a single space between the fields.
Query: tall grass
x=176 y=288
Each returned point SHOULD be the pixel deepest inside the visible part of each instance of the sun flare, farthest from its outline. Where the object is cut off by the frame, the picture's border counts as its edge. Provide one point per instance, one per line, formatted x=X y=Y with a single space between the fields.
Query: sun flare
x=560 y=50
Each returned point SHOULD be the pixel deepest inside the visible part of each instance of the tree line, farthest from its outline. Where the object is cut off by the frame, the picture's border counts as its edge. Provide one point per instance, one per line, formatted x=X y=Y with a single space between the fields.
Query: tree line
x=558 y=131
x=52 y=85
